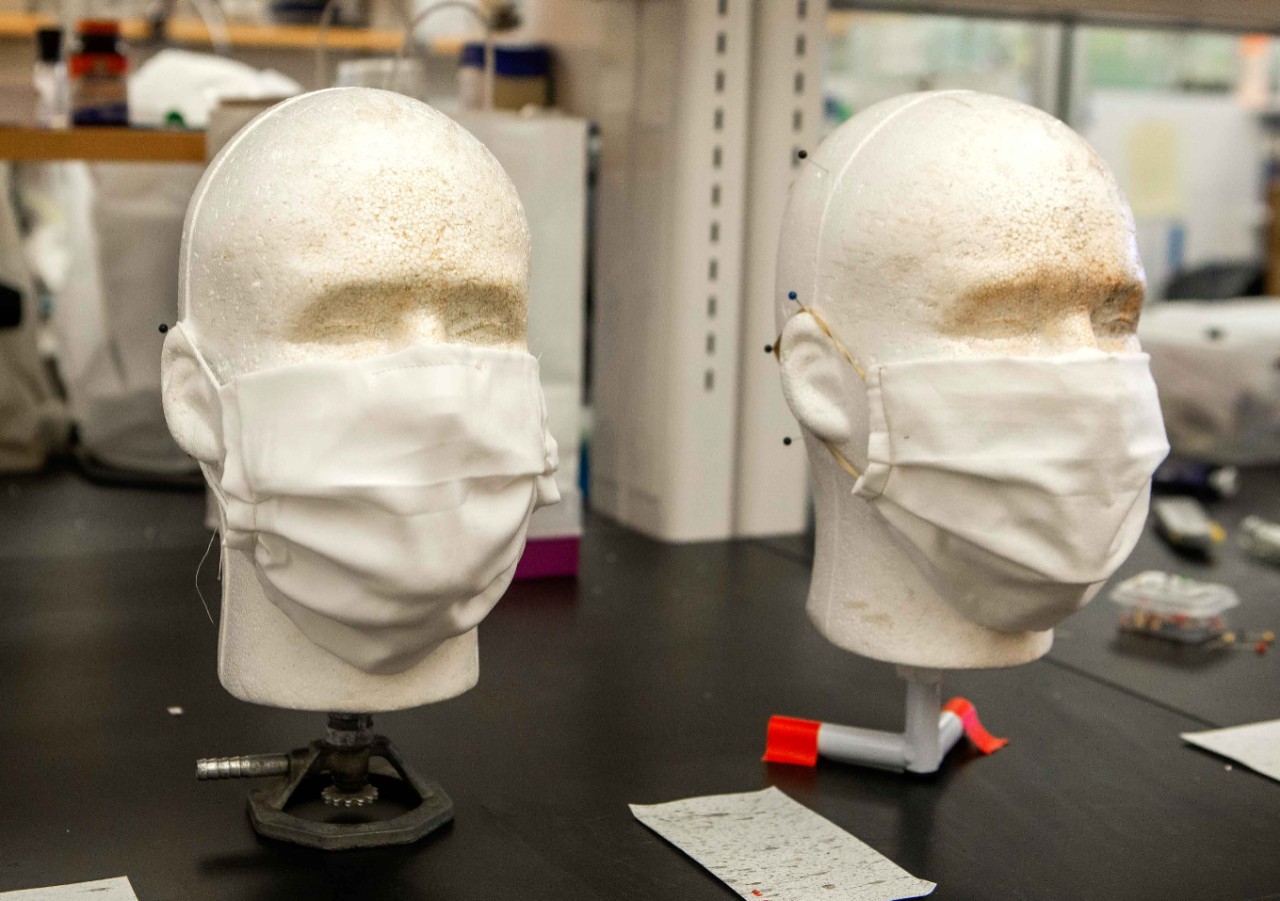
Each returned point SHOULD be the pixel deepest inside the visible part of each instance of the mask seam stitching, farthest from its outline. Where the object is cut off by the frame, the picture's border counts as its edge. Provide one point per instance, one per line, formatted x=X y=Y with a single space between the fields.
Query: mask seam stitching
x=477 y=365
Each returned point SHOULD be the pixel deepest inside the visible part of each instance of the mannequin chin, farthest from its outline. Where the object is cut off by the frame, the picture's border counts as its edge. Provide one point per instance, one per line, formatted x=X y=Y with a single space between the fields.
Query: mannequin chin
x=947 y=225
x=339 y=225
x=263 y=658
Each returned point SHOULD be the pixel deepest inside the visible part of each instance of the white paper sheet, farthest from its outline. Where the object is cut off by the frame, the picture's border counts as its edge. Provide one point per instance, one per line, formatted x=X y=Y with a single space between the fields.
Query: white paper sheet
x=767 y=847
x=117 y=889
x=1256 y=745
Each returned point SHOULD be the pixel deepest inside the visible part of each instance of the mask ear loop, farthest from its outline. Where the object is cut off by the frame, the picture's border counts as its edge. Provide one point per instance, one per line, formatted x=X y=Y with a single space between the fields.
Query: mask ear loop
x=209 y=476
x=213 y=380
x=844 y=352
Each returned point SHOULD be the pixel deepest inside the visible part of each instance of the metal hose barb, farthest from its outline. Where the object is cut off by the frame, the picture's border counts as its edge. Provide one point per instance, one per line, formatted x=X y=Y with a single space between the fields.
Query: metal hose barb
x=248 y=766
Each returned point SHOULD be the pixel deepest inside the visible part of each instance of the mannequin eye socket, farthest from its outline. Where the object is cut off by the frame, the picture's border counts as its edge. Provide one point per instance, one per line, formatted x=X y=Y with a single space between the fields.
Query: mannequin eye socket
x=1025 y=304
x=352 y=312
x=1003 y=309
x=1119 y=310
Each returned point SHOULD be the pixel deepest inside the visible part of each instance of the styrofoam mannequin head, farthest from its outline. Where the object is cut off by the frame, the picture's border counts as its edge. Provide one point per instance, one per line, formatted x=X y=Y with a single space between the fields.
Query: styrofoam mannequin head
x=947 y=224
x=341 y=224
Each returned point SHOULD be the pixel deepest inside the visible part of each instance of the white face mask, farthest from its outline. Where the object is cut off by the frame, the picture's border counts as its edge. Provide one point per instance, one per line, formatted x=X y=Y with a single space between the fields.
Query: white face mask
x=384 y=501
x=1018 y=485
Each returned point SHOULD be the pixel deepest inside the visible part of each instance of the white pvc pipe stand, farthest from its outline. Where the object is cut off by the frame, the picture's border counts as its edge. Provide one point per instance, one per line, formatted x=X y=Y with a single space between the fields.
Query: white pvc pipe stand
x=929 y=734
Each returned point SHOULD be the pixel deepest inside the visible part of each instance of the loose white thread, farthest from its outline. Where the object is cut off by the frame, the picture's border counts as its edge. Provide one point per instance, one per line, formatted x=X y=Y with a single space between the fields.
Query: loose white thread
x=198 y=567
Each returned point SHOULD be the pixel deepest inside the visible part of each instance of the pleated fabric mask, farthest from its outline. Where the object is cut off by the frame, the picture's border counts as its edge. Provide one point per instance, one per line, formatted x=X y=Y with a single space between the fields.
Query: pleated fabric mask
x=1012 y=482
x=385 y=501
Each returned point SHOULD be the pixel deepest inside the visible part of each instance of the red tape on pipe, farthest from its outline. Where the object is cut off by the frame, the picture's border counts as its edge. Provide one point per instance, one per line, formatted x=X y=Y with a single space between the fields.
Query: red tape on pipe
x=792 y=740
x=968 y=714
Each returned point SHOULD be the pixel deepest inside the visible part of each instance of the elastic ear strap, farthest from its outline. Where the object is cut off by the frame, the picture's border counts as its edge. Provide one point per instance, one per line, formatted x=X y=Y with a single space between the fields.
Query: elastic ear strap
x=826 y=329
x=843 y=461
x=212 y=479
x=195 y=351
x=174 y=332
x=844 y=351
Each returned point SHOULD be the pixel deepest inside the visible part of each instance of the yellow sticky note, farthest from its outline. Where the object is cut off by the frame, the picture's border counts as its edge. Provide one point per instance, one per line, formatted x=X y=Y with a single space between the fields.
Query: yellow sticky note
x=1155 y=172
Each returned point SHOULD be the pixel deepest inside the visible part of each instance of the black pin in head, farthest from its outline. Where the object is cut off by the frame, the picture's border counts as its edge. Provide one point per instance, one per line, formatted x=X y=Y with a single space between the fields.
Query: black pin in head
x=803 y=154
x=163 y=328
x=787 y=441
x=768 y=348
x=791 y=295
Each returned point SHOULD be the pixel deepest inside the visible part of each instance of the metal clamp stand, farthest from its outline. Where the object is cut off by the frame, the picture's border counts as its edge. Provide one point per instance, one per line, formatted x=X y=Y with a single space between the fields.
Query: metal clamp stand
x=931 y=731
x=358 y=775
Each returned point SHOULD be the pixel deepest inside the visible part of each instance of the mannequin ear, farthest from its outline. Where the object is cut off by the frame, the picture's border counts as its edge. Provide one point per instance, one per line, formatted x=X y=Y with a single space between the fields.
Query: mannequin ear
x=816 y=380
x=191 y=406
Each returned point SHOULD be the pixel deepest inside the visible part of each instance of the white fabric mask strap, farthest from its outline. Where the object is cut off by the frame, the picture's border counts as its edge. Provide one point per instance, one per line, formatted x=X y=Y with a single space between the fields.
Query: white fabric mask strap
x=210 y=476
x=195 y=351
x=844 y=352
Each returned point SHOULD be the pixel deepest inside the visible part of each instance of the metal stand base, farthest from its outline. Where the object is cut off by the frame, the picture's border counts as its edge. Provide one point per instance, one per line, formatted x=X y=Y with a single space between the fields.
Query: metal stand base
x=351 y=789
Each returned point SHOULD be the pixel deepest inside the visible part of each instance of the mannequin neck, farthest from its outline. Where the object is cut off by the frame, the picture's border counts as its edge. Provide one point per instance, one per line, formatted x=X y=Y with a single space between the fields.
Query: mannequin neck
x=263 y=658
x=867 y=596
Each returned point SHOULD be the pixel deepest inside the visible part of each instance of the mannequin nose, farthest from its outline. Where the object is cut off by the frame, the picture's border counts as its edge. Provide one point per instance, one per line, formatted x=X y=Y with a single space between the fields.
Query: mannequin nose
x=1072 y=329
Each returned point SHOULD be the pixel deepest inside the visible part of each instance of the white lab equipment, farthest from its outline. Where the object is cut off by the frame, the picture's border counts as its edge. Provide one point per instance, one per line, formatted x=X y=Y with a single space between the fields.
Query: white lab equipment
x=32 y=420
x=405 y=75
x=1217 y=365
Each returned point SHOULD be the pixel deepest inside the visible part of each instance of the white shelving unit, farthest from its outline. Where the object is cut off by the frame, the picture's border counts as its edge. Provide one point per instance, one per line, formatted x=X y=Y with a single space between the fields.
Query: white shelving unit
x=670 y=232
x=770 y=481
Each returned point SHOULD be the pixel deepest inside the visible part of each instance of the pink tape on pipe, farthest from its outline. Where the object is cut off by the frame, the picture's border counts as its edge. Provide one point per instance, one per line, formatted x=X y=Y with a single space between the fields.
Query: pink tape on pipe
x=968 y=714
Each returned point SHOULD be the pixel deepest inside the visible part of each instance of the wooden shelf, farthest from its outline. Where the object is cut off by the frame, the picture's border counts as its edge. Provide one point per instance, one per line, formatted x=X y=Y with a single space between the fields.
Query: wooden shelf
x=131 y=145
x=193 y=32
x=1228 y=15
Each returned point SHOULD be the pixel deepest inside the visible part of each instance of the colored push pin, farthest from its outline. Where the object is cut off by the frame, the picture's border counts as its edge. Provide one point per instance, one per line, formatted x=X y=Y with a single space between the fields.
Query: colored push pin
x=163 y=328
x=787 y=441
x=791 y=295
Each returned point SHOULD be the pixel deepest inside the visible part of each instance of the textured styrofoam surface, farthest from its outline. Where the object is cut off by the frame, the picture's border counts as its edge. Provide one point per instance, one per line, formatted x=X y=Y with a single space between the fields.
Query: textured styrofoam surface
x=767 y=847
x=1256 y=745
